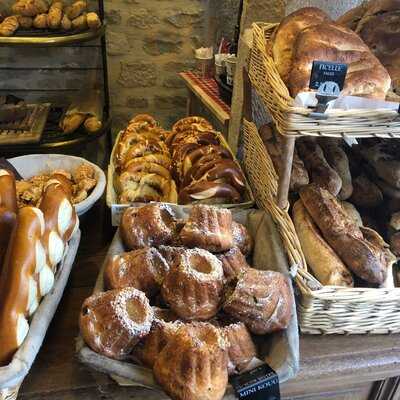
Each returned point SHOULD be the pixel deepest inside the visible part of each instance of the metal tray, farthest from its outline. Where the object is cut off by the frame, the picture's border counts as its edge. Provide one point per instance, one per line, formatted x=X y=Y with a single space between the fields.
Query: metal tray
x=27 y=130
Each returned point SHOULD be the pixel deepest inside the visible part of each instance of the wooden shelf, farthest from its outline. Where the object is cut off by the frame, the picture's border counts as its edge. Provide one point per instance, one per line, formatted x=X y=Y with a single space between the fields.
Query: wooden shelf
x=52 y=39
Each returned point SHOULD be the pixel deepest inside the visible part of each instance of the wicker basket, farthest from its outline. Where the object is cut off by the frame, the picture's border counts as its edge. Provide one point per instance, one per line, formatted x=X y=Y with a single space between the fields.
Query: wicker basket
x=321 y=309
x=297 y=121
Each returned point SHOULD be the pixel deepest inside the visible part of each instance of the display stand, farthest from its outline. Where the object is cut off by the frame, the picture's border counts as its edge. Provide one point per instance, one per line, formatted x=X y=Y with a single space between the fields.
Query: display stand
x=60 y=66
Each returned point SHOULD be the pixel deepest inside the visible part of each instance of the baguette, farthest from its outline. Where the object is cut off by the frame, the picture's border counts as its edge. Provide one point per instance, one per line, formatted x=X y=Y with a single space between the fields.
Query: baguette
x=318 y=168
x=338 y=160
x=365 y=258
x=365 y=192
x=352 y=212
x=321 y=258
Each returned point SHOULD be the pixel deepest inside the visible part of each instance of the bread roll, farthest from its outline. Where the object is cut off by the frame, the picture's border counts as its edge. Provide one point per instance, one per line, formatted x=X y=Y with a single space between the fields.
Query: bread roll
x=285 y=36
x=328 y=41
x=76 y=9
x=366 y=259
x=55 y=15
x=320 y=171
x=9 y=26
x=321 y=258
x=337 y=159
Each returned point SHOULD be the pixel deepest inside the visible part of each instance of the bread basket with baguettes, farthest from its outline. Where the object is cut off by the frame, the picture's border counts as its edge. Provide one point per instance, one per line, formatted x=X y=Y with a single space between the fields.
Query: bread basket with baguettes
x=321 y=309
x=292 y=120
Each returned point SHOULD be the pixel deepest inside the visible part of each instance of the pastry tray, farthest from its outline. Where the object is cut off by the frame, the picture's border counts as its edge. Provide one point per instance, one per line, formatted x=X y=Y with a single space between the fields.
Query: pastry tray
x=27 y=130
x=280 y=350
x=12 y=375
x=117 y=209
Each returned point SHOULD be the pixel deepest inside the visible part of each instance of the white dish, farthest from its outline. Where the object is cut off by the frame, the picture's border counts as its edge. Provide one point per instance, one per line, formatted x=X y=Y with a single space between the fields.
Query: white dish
x=36 y=164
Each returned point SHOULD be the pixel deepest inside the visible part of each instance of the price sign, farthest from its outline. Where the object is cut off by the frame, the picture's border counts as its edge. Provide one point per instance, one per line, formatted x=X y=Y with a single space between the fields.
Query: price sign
x=325 y=72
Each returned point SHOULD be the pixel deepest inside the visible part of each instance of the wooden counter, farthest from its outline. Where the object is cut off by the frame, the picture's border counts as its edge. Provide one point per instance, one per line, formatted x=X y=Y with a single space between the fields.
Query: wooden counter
x=332 y=367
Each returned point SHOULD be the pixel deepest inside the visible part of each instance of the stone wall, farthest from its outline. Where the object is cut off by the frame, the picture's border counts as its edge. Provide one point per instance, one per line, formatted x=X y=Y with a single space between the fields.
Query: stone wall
x=149 y=41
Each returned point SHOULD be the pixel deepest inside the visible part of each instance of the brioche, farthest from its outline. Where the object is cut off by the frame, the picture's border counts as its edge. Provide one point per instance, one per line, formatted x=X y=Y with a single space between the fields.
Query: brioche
x=321 y=258
x=18 y=286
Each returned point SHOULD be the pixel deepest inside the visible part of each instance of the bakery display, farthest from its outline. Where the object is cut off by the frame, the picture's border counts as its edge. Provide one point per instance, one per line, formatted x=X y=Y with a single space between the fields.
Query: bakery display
x=308 y=35
x=34 y=249
x=58 y=15
x=79 y=183
x=190 y=164
x=206 y=299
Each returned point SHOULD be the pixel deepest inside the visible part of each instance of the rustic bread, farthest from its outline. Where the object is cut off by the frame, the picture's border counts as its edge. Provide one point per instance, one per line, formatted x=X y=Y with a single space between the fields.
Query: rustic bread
x=338 y=160
x=321 y=258
x=366 y=258
x=328 y=41
x=318 y=168
x=286 y=35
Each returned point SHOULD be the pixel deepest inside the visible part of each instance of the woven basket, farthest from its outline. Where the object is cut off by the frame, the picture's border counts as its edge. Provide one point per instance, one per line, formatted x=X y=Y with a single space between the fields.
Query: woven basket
x=321 y=309
x=297 y=121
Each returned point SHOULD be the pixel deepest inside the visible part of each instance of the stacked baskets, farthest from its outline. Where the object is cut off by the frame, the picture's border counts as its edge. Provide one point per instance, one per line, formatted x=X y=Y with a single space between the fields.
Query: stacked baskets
x=322 y=309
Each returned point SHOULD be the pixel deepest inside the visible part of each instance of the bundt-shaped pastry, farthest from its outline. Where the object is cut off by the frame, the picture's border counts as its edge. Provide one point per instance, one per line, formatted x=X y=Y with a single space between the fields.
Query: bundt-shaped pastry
x=165 y=325
x=193 y=364
x=194 y=284
x=233 y=262
x=113 y=322
x=260 y=299
x=143 y=269
x=170 y=252
x=150 y=225
x=241 y=348
x=242 y=238
x=209 y=228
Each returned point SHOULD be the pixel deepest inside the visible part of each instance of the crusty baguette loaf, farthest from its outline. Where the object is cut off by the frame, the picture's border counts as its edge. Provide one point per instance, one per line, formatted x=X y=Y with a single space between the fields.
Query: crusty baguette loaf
x=328 y=41
x=366 y=259
x=338 y=160
x=321 y=258
x=352 y=212
x=318 y=168
x=365 y=192
x=285 y=36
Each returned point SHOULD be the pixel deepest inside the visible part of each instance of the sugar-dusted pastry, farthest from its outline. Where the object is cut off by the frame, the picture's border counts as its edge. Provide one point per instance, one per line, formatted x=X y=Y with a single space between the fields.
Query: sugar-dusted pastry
x=193 y=364
x=209 y=228
x=164 y=327
x=113 y=322
x=233 y=263
x=150 y=225
x=143 y=269
x=241 y=348
x=260 y=299
x=193 y=286
x=242 y=238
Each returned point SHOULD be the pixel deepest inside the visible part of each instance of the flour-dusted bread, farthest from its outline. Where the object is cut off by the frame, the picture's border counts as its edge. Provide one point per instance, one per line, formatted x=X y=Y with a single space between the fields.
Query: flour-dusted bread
x=286 y=35
x=328 y=41
x=369 y=259
x=325 y=264
x=378 y=24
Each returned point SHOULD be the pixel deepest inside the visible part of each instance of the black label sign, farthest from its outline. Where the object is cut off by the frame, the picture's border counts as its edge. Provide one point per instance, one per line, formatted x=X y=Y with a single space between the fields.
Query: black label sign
x=325 y=71
x=261 y=383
